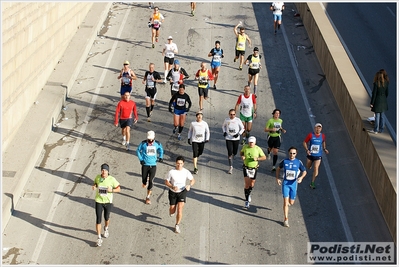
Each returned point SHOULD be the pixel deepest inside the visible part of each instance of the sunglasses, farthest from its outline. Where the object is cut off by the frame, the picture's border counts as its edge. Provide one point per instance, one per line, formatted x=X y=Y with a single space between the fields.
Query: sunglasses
x=292 y=153
x=232 y=114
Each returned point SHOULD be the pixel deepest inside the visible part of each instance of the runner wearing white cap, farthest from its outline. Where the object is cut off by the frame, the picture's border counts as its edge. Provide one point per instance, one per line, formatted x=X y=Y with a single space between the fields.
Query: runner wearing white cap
x=168 y=52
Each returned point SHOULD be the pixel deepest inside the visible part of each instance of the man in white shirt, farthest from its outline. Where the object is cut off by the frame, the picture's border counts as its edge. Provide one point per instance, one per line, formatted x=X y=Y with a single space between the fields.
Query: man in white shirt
x=277 y=8
x=176 y=182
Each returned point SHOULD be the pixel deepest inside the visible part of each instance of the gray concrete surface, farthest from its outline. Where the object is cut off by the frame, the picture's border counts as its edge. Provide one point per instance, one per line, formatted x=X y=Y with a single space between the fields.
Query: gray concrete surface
x=56 y=206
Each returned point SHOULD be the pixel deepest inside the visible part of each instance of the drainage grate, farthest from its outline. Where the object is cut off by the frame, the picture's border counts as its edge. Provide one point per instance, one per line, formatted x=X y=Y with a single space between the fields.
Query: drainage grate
x=10 y=174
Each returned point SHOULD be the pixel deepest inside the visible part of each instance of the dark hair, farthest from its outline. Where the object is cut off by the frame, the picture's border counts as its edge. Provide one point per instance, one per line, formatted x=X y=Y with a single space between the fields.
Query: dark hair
x=289 y=149
x=232 y=110
x=182 y=86
x=179 y=158
x=217 y=42
x=274 y=111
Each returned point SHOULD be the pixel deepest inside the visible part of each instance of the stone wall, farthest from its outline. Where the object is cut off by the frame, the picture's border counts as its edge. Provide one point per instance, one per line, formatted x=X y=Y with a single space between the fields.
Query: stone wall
x=34 y=37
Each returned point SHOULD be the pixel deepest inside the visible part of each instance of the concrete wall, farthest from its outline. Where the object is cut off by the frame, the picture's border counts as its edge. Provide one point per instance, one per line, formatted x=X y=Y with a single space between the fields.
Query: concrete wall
x=34 y=37
x=353 y=102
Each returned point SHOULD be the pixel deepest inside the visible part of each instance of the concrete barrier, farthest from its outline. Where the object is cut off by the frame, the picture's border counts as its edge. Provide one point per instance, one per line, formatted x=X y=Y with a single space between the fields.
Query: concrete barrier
x=377 y=155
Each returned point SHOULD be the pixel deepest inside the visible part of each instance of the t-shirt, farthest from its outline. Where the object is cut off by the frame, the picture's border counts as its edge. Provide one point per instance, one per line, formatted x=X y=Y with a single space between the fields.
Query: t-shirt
x=250 y=153
x=272 y=123
x=178 y=178
x=102 y=195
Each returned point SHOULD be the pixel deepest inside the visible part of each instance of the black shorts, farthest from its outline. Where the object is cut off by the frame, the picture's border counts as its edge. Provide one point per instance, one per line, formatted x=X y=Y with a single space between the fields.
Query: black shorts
x=198 y=148
x=126 y=88
x=127 y=122
x=169 y=60
x=238 y=53
x=246 y=174
x=313 y=158
x=177 y=197
x=274 y=142
x=253 y=72
x=152 y=25
x=99 y=210
x=151 y=92
x=203 y=92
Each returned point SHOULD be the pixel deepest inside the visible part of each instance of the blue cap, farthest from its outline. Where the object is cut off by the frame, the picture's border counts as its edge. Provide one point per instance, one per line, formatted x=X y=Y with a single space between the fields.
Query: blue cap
x=177 y=62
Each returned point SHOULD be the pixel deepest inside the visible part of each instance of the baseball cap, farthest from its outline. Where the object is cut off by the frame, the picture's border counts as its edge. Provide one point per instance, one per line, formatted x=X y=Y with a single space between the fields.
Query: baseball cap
x=126 y=63
x=151 y=135
x=199 y=112
x=252 y=139
x=318 y=125
x=177 y=62
x=105 y=167
x=170 y=37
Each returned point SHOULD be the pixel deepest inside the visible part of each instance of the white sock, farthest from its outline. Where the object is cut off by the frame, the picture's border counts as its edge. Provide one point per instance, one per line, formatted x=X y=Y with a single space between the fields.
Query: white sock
x=166 y=74
x=124 y=137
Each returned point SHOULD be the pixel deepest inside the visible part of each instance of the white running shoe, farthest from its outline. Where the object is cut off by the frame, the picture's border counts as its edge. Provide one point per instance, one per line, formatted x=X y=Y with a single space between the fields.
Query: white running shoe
x=246 y=206
x=99 y=242
x=177 y=229
x=286 y=223
x=230 y=170
x=124 y=141
x=106 y=233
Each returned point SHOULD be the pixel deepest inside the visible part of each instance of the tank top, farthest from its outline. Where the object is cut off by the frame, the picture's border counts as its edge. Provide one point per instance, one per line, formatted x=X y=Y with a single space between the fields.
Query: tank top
x=241 y=42
x=203 y=79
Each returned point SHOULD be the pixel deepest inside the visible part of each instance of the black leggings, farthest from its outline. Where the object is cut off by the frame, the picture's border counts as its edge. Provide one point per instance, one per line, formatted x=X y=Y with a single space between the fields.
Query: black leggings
x=99 y=209
x=232 y=147
x=148 y=171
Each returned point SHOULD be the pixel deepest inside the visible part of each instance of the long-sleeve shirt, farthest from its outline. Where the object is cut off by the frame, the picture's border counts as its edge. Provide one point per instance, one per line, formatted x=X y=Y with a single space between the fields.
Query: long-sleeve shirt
x=149 y=153
x=199 y=132
x=125 y=110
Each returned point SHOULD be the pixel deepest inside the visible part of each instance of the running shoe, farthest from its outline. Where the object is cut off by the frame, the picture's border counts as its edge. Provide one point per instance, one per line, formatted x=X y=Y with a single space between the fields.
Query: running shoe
x=268 y=156
x=156 y=39
x=235 y=59
x=214 y=86
x=106 y=233
x=177 y=229
x=312 y=185
x=179 y=137
x=149 y=119
x=230 y=170
x=275 y=31
x=195 y=171
x=124 y=142
x=243 y=141
x=192 y=13
x=273 y=169
x=171 y=214
x=286 y=223
x=99 y=242
x=147 y=201
x=372 y=131
x=127 y=146
x=240 y=68
x=153 y=46
x=175 y=129
x=246 y=205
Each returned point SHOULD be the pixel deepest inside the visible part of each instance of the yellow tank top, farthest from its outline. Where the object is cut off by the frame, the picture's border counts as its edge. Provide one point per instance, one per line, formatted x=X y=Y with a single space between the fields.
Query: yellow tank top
x=241 y=40
x=156 y=18
x=255 y=62
x=203 y=79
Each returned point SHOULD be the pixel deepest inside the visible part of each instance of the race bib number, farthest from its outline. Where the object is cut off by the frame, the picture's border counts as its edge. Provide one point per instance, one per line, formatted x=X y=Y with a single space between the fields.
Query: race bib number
x=170 y=54
x=150 y=82
x=126 y=80
x=156 y=22
x=151 y=151
x=232 y=131
x=314 y=149
x=251 y=173
x=290 y=175
x=180 y=102
x=102 y=190
x=241 y=44
x=198 y=136
x=175 y=87
x=216 y=58
x=255 y=65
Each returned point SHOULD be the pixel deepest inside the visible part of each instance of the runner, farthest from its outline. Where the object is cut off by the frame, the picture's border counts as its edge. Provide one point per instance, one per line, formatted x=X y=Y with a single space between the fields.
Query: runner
x=168 y=53
x=193 y=6
x=246 y=104
x=198 y=135
x=292 y=168
x=253 y=61
x=217 y=54
x=203 y=76
x=176 y=182
x=149 y=152
x=105 y=185
x=250 y=154
x=232 y=130
x=156 y=20
x=176 y=76
x=277 y=8
x=274 y=129
x=242 y=38
x=315 y=144
x=124 y=112
x=126 y=75
x=179 y=101
x=151 y=77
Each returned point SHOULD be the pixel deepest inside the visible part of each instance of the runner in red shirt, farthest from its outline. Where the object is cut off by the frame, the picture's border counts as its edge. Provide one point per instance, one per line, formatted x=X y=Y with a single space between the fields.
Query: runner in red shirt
x=124 y=113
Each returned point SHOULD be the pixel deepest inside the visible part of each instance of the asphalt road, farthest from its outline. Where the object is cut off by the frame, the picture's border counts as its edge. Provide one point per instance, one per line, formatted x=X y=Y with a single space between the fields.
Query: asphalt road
x=369 y=33
x=54 y=222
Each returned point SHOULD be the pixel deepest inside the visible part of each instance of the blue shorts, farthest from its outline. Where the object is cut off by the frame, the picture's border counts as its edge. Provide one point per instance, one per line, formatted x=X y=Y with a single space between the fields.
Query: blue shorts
x=179 y=111
x=125 y=88
x=289 y=188
x=216 y=64
x=125 y=122
x=277 y=17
